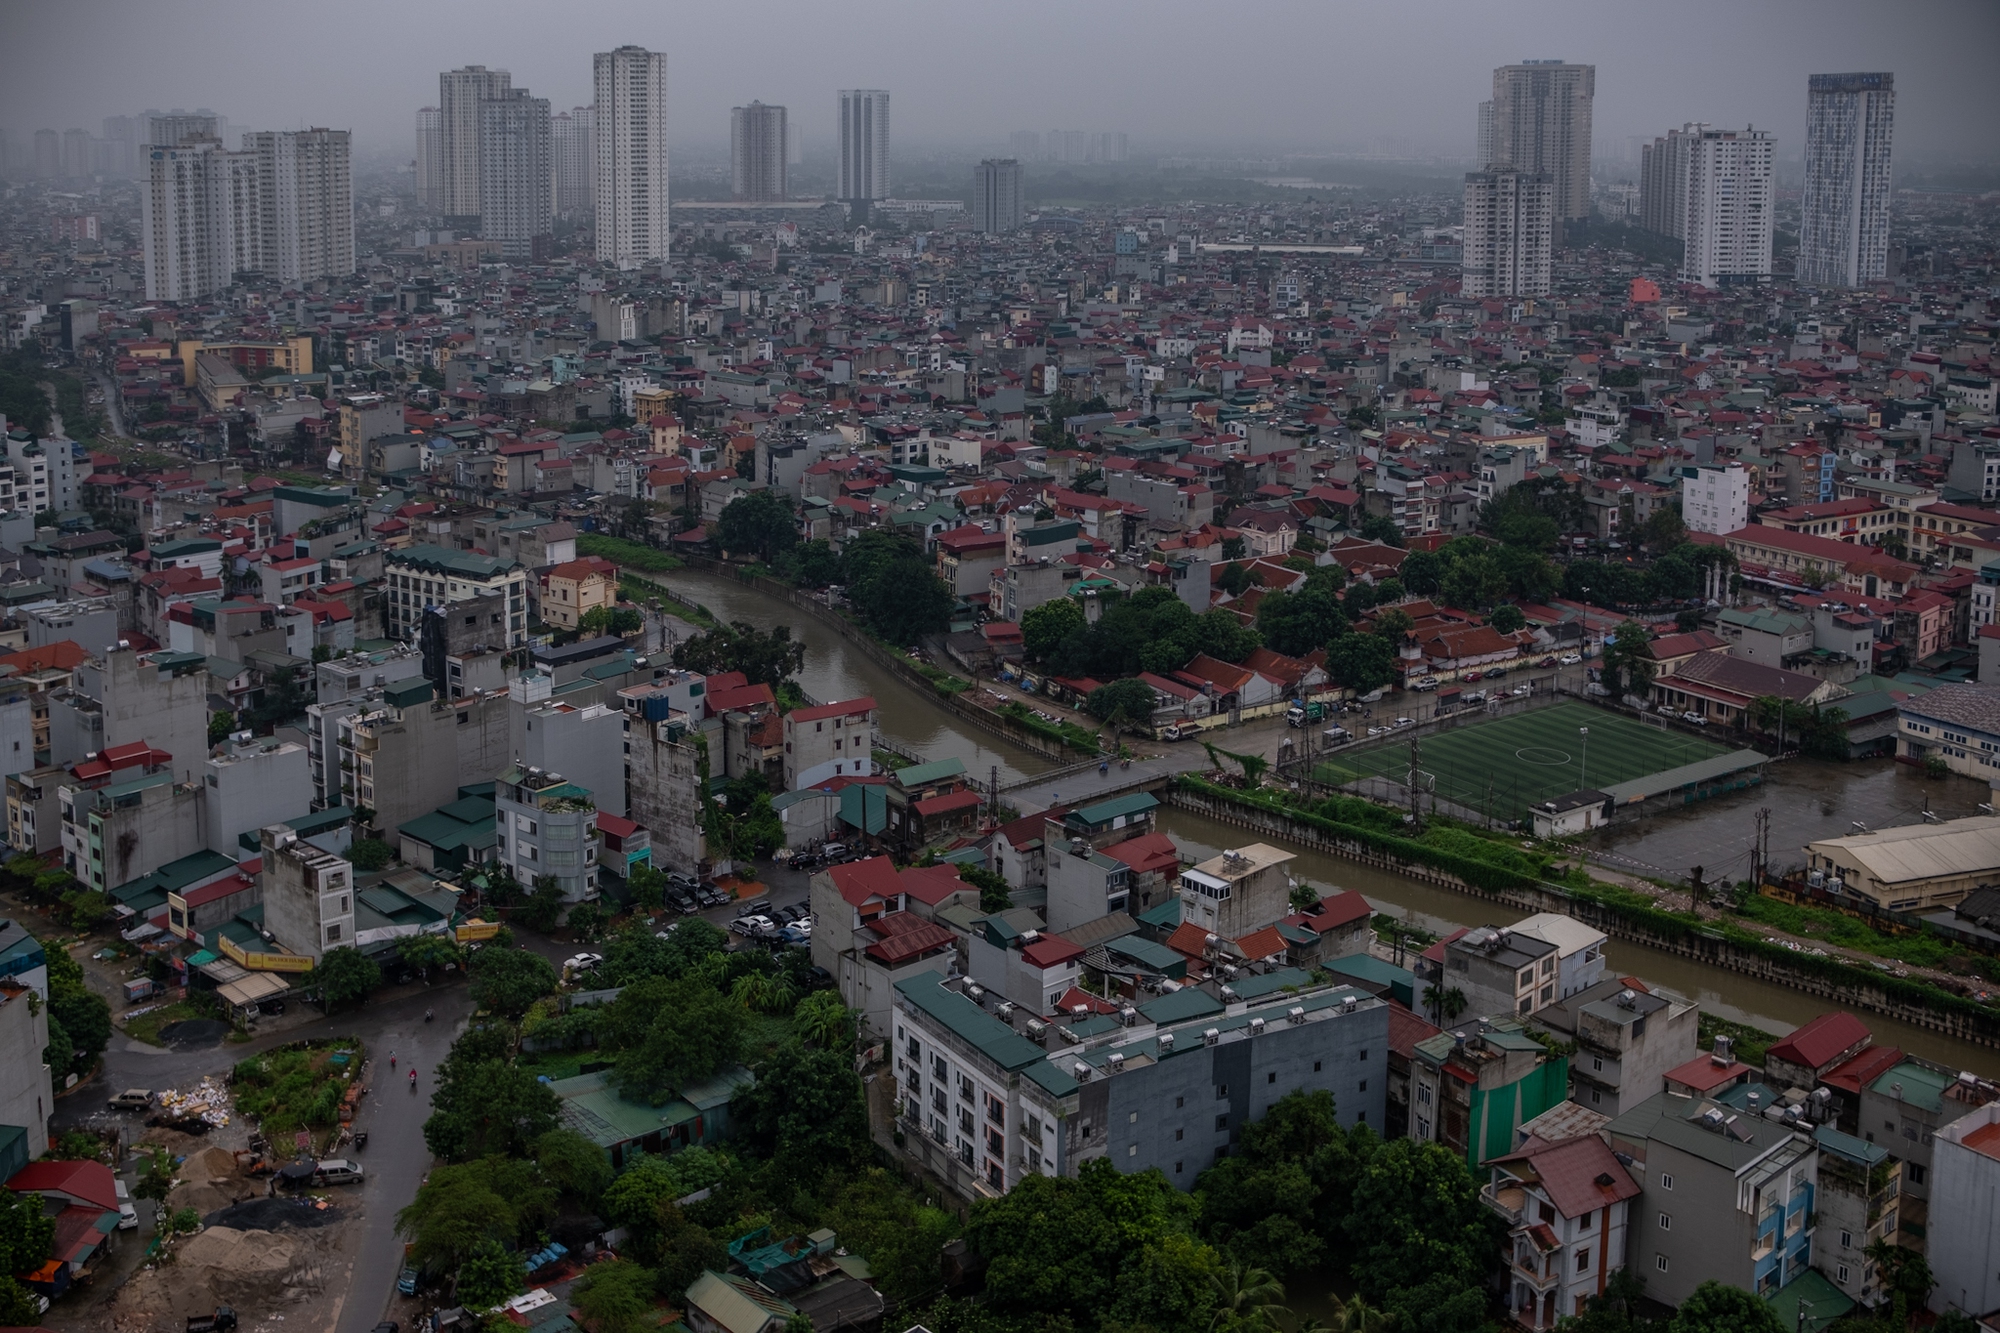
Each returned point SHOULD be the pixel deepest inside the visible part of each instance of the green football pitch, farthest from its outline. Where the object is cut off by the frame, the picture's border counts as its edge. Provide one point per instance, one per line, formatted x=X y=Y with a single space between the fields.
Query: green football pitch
x=1504 y=766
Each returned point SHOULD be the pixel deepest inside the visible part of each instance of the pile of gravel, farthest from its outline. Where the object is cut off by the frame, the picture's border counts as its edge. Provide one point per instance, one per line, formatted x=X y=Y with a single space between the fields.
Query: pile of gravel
x=271 y=1214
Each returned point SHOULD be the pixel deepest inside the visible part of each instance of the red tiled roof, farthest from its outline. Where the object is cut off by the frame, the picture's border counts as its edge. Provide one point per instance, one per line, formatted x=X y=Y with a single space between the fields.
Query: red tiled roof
x=1581 y=1175
x=1051 y=951
x=1851 y=1074
x=89 y=1182
x=931 y=885
x=1821 y=1040
x=845 y=708
x=1265 y=943
x=908 y=940
x=1702 y=1074
x=1189 y=940
x=944 y=805
x=858 y=881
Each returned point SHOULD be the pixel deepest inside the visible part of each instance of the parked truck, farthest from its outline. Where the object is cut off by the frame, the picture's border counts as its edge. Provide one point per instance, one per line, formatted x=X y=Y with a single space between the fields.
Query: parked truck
x=1304 y=712
x=221 y=1321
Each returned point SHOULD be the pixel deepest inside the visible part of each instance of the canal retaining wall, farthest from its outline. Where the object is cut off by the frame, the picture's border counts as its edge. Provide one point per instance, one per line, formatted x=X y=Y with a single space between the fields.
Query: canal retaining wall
x=1835 y=980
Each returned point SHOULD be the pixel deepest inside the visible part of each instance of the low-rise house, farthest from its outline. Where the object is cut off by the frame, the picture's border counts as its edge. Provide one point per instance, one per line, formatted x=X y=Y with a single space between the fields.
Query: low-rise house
x=696 y=1115
x=1472 y=1089
x=1565 y=1207
x=1814 y=1049
x=1859 y=1185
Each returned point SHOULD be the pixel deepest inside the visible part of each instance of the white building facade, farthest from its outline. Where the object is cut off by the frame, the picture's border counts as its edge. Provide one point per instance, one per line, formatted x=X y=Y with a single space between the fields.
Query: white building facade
x=864 y=144
x=1715 y=497
x=631 y=184
x=1509 y=233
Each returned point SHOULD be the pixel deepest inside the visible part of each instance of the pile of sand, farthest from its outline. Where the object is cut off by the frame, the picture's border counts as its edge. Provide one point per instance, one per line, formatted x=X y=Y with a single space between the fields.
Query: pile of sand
x=210 y=1182
x=252 y=1271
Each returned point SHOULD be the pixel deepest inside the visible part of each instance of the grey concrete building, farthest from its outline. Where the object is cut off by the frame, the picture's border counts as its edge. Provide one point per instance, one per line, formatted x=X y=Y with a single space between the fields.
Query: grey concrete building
x=1626 y=1042
x=663 y=783
x=308 y=894
x=27 y=1093
x=1728 y=1194
x=160 y=698
x=114 y=834
x=1501 y=972
x=546 y=827
x=1859 y=1184
x=585 y=744
x=1963 y=1256
x=984 y=1103
x=1903 y=1110
x=405 y=753
x=250 y=784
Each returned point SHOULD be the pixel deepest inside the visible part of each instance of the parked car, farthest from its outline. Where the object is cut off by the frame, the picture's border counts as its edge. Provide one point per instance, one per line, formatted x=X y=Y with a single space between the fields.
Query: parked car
x=799 y=933
x=1405 y=722
x=132 y=1099
x=1571 y=659
x=1469 y=677
x=1699 y=719
x=581 y=962
x=1546 y=662
x=685 y=882
x=750 y=925
x=128 y=1216
x=406 y=1282
x=818 y=978
x=337 y=1171
x=1495 y=673
x=1424 y=683
x=761 y=907
x=1522 y=689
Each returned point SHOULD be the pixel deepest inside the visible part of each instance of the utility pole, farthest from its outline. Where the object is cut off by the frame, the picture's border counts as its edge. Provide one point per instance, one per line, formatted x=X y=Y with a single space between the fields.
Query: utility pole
x=1760 y=851
x=993 y=785
x=1416 y=799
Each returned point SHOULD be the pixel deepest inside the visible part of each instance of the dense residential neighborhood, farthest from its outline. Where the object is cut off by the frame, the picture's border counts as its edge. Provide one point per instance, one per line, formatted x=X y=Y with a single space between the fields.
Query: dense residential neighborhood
x=415 y=617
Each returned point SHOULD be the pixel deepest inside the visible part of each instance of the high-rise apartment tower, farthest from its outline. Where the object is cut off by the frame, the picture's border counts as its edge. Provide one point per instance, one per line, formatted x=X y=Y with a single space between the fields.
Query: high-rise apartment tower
x=864 y=144
x=516 y=174
x=1509 y=229
x=575 y=134
x=430 y=159
x=1541 y=123
x=631 y=180
x=1844 y=213
x=460 y=92
x=305 y=198
x=757 y=156
x=996 y=205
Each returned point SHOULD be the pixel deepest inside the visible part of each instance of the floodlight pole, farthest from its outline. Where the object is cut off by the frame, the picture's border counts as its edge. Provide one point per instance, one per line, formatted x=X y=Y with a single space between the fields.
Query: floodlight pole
x=1583 y=765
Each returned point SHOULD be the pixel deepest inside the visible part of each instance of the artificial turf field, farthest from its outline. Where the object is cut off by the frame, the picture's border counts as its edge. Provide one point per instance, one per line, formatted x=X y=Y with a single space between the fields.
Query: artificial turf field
x=1505 y=765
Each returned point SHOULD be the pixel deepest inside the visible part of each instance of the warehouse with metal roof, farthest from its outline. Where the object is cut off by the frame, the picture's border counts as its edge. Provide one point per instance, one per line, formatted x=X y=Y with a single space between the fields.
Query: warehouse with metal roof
x=1915 y=868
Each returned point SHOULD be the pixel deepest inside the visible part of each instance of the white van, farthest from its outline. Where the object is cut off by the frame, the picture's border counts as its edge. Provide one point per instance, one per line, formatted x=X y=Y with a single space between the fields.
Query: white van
x=337 y=1171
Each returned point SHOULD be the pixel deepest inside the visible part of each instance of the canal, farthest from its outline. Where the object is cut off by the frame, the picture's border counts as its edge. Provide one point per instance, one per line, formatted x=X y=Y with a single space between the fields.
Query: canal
x=903 y=714
x=1730 y=995
x=1880 y=795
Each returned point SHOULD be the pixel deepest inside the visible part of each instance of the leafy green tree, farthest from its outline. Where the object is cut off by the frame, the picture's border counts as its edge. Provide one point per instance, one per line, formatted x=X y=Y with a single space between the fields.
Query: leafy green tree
x=616 y=1297
x=463 y=1206
x=1627 y=663
x=1906 y=1276
x=815 y=564
x=648 y=888
x=822 y=1020
x=1233 y=548
x=1474 y=581
x=543 y=907
x=343 y=977
x=1416 y=1218
x=574 y=1165
x=620 y=621
x=1131 y=701
x=1714 y=1307
x=84 y=910
x=586 y=921
x=673 y=1033
x=1381 y=528
x=1663 y=530
x=1361 y=662
x=805 y=1113
x=1276 y=1197
x=1233 y=578
x=489 y=1276
x=368 y=854
x=1297 y=623
x=427 y=953
x=764 y=657
x=634 y=1199
x=903 y=1239
x=25 y=1239
x=760 y=523
x=1507 y=618
x=81 y=1014
x=487 y=1106
x=1422 y=572
x=507 y=981
x=1246 y=1298
x=995 y=893
x=1045 y=627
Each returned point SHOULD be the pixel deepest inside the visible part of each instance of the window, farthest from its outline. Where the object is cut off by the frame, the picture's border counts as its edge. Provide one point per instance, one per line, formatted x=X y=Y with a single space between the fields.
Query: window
x=1221 y=1092
x=1132 y=1150
x=964 y=1121
x=1177 y=1168
x=1660 y=1262
x=1916 y=1173
x=1221 y=1122
x=1271 y=1077
x=1842 y=1270
x=1596 y=1064
x=1846 y=1239
x=1315 y=1066
x=1132 y=1119
x=1179 y=1102
x=1583 y=1261
x=332 y=934
x=1666 y=1221
x=1666 y=1180
x=1586 y=1222
x=1179 y=1134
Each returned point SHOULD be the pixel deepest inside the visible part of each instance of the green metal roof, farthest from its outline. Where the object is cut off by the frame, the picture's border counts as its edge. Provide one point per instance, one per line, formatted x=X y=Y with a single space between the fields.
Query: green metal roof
x=971 y=1024
x=916 y=775
x=1832 y=1140
x=1256 y=985
x=440 y=560
x=1106 y=812
x=1921 y=1086
x=1809 y=1303
x=1705 y=770
x=1180 y=1006
x=172 y=877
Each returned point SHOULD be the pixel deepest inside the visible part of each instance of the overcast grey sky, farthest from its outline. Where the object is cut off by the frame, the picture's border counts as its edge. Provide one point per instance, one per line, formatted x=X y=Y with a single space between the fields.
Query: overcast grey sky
x=1300 y=74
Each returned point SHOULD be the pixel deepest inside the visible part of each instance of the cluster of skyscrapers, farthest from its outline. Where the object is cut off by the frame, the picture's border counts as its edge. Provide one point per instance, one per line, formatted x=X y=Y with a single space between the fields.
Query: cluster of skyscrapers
x=1713 y=190
x=1067 y=146
x=281 y=207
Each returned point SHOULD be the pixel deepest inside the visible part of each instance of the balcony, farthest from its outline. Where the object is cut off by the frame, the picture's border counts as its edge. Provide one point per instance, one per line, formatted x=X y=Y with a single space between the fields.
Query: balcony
x=1509 y=1200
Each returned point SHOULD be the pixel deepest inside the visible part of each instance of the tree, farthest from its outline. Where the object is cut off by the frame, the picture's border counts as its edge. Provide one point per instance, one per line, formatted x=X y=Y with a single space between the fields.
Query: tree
x=1628 y=659
x=1235 y=579
x=616 y=1297
x=1130 y=701
x=902 y=1239
x=426 y=953
x=368 y=854
x=1297 y=623
x=1906 y=1276
x=543 y=907
x=672 y=1033
x=489 y=1276
x=461 y=1207
x=507 y=981
x=587 y=921
x=1362 y=662
x=995 y=893
x=1507 y=618
x=815 y=564
x=81 y=1014
x=1417 y=1217
x=805 y=1112
x=1713 y=1307
x=343 y=977
x=1246 y=1298
x=486 y=1106
x=1422 y=572
x=1058 y=1246
x=822 y=1020
x=760 y=523
x=614 y=620
x=25 y=1239
x=574 y=1165
x=1663 y=530
x=895 y=588
x=764 y=658
x=1044 y=627
x=1381 y=528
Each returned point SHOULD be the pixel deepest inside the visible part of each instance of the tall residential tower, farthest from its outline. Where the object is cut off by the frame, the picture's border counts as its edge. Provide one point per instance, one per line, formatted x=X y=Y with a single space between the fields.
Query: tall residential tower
x=460 y=92
x=306 y=204
x=516 y=175
x=575 y=135
x=1844 y=213
x=631 y=180
x=864 y=144
x=1509 y=229
x=757 y=154
x=996 y=192
x=1541 y=123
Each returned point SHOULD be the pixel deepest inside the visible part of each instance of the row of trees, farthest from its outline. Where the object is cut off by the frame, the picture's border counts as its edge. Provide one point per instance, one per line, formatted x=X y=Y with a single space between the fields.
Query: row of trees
x=887 y=576
x=1150 y=630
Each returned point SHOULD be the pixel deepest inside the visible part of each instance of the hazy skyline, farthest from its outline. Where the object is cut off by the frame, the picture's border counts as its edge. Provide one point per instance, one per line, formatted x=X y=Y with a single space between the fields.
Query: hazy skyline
x=1292 y=74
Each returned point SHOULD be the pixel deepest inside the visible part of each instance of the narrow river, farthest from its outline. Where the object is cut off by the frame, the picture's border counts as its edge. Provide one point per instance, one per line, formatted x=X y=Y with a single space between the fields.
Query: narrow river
x=831 y=672
x=908 y=718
